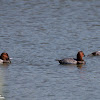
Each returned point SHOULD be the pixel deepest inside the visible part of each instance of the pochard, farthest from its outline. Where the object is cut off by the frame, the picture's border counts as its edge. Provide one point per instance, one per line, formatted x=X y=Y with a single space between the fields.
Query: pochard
x=78 y=60
x=96 y=53
x=4 y=58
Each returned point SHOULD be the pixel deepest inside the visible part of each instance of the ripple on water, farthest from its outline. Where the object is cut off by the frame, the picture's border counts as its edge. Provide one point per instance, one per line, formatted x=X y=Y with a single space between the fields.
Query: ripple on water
x=35 y=33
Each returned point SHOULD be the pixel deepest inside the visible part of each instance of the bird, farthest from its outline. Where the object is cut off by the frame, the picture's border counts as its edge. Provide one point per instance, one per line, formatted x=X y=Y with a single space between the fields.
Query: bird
x=4 y=58
x=96 y=53
x=78 y=60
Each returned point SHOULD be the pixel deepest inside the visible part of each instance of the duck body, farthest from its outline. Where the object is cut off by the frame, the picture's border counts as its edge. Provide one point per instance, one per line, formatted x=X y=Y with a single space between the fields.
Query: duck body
x=68 y=61
x=96 y=53
x=1 y=61
x=79 y=59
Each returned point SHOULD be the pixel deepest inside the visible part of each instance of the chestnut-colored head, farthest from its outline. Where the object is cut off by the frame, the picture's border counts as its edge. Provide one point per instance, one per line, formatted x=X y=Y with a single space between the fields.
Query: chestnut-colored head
x=4 y=56
x=80 y=56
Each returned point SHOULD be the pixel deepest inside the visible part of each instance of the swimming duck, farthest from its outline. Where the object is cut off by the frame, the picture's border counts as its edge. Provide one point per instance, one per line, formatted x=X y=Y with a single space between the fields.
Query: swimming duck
x=96 y=53
x=78 y=60
x=4 y=58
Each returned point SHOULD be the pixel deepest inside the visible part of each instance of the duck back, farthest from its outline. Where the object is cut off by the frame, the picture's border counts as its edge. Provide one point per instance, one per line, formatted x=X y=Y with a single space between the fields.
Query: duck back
x=68 y=61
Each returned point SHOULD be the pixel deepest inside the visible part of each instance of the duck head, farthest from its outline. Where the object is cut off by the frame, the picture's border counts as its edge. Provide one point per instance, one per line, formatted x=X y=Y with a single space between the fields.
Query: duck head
x=80 y=56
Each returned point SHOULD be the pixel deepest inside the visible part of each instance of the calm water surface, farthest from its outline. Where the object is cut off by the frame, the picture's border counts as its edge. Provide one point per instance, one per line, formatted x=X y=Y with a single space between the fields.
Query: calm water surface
x=35 y=33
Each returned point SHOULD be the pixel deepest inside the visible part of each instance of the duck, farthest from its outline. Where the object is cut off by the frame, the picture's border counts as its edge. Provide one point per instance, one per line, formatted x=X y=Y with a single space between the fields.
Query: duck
x=96 y=53
x=4 y=58
x=78 y=60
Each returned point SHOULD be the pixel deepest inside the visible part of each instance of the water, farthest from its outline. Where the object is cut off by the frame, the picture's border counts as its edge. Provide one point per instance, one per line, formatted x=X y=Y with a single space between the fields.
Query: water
x=35 y=33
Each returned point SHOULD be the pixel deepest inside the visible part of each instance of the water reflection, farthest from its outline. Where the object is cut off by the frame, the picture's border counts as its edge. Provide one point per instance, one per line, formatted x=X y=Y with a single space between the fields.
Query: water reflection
x=2 y=80
x=5 y=65
x=79 y=66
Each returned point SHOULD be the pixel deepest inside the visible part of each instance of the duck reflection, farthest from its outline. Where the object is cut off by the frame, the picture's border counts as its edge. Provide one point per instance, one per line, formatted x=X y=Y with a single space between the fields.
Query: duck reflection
x=2 y=79
x=80 y=66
